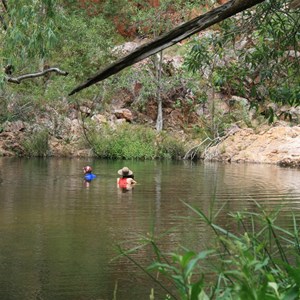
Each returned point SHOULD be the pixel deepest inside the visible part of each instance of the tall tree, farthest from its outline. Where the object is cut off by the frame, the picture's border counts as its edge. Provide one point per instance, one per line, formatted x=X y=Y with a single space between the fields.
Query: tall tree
x=153 y=19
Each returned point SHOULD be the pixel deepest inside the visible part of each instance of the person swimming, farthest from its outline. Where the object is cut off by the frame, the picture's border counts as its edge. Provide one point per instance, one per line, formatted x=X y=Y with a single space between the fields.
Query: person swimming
x=88 y=175
x=126 y=181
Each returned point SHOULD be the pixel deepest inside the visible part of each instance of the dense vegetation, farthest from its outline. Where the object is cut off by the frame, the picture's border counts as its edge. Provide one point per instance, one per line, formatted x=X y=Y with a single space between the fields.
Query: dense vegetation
x=253 y=55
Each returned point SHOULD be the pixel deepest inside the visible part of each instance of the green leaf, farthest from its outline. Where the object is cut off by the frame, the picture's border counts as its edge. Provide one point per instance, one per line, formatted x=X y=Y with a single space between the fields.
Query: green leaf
x=192 y=263
x=292 y=294
x=259 y=266
x=196 y=290
x=202 y=296
x=294 y=272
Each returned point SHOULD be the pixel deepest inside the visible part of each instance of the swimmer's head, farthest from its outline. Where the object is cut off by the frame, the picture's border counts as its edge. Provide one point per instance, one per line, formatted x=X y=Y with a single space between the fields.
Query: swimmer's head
x=87 y=169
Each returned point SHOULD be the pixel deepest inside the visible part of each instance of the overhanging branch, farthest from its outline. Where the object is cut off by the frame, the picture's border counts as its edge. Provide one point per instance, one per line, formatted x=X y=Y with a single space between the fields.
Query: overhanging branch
x=176 y=35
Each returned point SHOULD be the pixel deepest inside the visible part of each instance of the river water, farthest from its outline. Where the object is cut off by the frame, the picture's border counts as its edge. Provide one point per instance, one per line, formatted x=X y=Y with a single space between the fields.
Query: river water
x=59 y=236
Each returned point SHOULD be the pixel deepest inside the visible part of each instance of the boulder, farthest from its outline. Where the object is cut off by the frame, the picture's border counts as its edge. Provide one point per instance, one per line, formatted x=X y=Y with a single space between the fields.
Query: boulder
x=124 y=113
x=275 y=145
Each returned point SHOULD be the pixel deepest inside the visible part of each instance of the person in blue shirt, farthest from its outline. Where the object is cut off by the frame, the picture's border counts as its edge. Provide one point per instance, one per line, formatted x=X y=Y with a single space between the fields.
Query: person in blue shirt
x=88 y=175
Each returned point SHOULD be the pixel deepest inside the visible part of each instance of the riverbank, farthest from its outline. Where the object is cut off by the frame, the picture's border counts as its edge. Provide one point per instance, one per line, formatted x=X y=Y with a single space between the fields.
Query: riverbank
x=278 y=144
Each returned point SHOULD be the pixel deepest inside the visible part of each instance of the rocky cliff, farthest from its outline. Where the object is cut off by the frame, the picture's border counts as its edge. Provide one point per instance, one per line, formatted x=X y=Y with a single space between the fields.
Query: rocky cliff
x=273 y=145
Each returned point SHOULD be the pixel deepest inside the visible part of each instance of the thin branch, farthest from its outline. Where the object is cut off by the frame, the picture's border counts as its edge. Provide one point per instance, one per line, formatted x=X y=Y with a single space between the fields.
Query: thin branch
x=33 y=75
x=193 y=151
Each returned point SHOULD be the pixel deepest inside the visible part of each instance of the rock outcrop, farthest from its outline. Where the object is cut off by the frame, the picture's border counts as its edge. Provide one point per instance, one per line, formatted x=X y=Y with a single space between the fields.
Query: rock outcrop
x=274 y=145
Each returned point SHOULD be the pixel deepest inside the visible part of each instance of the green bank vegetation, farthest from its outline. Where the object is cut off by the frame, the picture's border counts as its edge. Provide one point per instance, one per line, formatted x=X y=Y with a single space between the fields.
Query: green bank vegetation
x=135 y=142
x=37 y=145
x=256 y=260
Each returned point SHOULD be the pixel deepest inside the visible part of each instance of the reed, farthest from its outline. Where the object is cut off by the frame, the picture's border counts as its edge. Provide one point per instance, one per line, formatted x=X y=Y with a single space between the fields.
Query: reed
x=258 y=261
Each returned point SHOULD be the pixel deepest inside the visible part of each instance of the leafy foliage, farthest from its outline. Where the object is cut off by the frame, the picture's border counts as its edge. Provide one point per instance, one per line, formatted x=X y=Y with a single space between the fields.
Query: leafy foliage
x=55 y=33
x=260 y=61
x=33 y=31
x=37 y=145
x=134 y=142
x=259 y=260
x=253 y=55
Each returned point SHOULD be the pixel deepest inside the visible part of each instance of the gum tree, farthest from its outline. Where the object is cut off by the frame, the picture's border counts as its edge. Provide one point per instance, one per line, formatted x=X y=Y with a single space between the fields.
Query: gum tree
x=30 y=32
x=262 y=60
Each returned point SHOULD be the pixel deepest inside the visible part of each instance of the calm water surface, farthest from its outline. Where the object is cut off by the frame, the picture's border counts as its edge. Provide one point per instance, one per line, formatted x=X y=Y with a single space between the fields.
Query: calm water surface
x=58 y=237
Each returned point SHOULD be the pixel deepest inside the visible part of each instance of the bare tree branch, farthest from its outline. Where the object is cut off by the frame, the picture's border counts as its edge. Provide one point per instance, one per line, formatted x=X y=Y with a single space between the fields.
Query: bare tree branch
x=191 y=153
x=33 y=75
x=174 y=36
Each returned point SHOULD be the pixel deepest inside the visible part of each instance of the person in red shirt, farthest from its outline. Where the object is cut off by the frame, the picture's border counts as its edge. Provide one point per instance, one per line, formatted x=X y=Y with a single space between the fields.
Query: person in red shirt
x=126 y=181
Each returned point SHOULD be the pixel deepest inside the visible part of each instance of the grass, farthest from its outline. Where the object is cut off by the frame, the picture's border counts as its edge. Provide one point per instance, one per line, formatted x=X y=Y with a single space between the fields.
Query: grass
x=37 y=145
x=134 y=142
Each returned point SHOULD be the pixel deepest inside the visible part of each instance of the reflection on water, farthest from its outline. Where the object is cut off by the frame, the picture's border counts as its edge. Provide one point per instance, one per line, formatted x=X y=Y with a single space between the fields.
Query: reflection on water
x=58 y=236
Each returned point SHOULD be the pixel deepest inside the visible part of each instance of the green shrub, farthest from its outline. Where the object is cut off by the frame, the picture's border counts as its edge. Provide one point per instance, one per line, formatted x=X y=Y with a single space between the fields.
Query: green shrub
x=37 y=144
x=170 y=148
x=125 y=142
x=128 y=141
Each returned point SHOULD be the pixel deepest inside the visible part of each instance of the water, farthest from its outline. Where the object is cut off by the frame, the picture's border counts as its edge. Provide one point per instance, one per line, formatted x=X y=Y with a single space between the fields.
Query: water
x=59 y=237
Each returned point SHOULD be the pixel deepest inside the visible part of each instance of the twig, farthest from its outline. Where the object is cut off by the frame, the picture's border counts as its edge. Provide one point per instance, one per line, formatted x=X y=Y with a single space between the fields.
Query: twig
x=33 y=75
x=215 y=142
x=192 y=152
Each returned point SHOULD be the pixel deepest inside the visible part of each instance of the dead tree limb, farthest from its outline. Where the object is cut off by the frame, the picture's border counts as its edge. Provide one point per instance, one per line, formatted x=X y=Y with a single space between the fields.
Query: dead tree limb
x=33 y=75
x=174 y=36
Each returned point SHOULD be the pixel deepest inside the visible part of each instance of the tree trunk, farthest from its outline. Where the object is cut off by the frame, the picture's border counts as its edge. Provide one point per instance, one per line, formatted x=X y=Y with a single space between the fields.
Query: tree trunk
x=176 y=35
x=159 y=120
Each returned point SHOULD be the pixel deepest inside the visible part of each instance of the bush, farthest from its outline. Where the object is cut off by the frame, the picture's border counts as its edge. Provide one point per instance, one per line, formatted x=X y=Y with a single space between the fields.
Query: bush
x=37 y=144
x=134 y=142
x=125 y=142
x=170 y=148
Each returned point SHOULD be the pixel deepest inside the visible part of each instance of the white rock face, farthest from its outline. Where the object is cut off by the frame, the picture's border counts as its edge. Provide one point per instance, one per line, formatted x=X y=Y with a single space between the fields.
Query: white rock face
x=276 y=145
